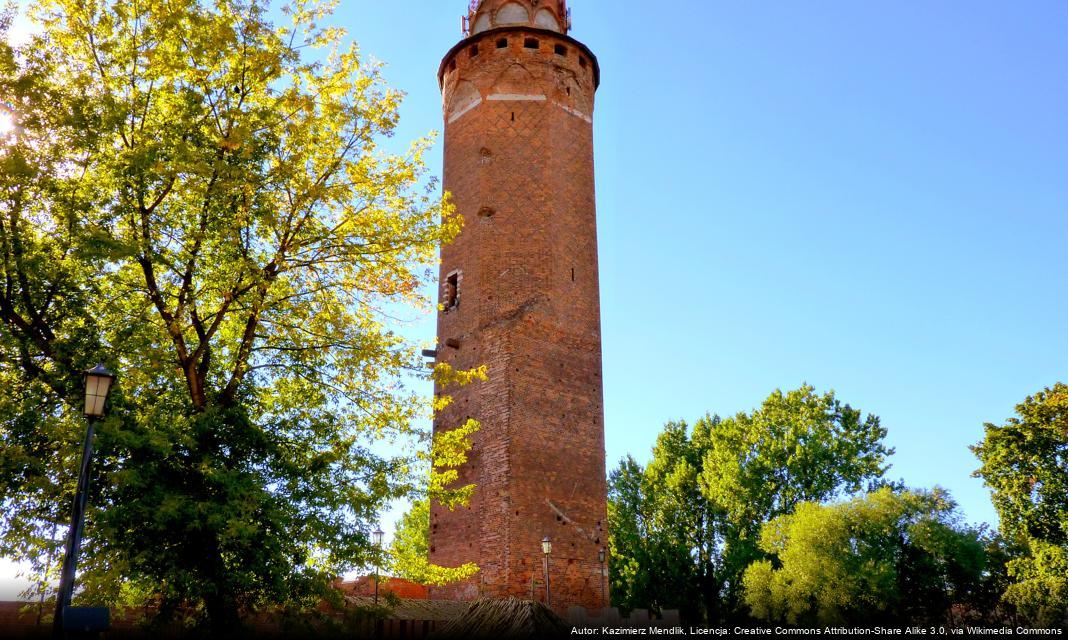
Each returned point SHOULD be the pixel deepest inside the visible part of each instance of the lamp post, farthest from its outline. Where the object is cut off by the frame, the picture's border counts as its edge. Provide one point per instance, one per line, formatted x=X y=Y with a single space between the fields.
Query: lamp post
x=600 y=558
x=546 y=549
x=98 y=381
x=377 y=538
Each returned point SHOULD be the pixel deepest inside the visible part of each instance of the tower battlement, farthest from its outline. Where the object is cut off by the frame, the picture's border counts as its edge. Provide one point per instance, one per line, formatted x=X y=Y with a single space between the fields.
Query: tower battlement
x=483 y=15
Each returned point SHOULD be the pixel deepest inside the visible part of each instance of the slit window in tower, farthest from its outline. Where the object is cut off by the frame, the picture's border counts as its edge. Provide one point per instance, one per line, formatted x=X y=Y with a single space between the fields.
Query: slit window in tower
x=474 y=50
x=582 y=61
x=452 y=290
x=502 y=43
x=561 y=50
x=531 y=43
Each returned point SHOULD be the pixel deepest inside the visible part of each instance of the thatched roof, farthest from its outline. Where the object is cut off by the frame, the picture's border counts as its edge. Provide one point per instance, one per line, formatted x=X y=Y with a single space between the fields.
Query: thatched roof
x=505 y=618
x=409 y=609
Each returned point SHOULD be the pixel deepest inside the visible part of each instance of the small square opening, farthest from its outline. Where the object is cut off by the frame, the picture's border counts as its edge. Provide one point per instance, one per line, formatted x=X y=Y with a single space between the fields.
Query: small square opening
x=474 y=50
x=530 y=43
x=452 y=290
x=502 y=43
x=560 y=50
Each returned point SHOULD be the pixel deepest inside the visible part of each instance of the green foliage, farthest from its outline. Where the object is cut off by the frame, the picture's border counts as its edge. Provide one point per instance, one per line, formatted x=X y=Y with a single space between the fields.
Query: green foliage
x=884 y=557
x=196 y=197
x=684 y=528
x=409 y=553
x=663 y=532
x=1025 y=463
x=799 y=446
x=449 y=448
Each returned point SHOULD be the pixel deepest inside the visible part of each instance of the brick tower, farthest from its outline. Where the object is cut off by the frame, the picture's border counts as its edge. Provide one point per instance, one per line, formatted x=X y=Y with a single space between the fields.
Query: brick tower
x=520 y=292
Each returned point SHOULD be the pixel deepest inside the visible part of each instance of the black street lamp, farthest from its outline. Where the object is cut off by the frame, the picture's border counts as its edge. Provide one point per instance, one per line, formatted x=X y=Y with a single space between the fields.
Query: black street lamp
x=546 y=549
x=600 y=558
x=98 y=381
x=377 y=538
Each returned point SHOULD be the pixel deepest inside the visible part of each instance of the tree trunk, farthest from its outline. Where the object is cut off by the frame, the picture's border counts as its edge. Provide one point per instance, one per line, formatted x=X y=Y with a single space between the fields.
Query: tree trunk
x=224 y=619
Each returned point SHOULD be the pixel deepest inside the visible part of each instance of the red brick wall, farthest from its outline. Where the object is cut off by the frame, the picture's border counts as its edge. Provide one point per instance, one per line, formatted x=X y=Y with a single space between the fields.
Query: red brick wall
x=365 y=586
x=519 y=164
x=19 y=619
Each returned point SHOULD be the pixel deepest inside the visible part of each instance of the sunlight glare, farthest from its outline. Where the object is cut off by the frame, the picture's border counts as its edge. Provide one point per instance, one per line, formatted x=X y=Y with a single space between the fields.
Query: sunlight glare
x=21 y=31
x=7 y=123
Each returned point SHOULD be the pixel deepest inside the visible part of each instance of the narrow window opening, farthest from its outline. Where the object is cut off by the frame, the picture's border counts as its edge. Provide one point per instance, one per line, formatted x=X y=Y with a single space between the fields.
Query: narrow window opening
x=513 y=116
x=569 y=91
x=530 y=43
x=474 y=50
x=486 y=212
x=572 y=274
x=452 y=291
x=582 y=62
x=502 y=43
x=560 y=50
x=452 y=64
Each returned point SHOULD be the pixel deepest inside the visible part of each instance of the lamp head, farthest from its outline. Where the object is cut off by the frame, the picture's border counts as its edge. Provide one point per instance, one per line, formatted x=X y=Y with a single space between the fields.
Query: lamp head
x=98 y=381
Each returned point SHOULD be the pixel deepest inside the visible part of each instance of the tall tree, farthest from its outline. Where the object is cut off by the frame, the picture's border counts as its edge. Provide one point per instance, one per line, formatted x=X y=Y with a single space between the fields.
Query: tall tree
x=663 y=532
x=1025 y=463
x=799 y=446
x=685 y=527
x=196 y=196
x=887 y=557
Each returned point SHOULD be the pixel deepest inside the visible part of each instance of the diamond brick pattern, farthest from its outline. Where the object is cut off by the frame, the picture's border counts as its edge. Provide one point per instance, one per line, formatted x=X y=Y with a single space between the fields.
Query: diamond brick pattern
x=519 y=166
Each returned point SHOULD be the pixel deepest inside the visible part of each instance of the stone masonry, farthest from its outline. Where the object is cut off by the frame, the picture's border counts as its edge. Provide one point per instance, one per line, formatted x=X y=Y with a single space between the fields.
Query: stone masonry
x=520 y=291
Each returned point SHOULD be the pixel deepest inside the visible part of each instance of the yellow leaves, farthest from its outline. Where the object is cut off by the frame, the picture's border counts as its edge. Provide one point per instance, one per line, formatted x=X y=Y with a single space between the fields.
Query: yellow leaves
x=439 y=576
x=445 y=375
x=449 y=448
x=410 y=548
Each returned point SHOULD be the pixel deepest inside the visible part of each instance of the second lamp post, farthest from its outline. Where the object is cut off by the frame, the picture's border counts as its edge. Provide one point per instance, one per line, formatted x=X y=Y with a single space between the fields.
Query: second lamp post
x=600 y=558
x=377 y=538
x=546 y=549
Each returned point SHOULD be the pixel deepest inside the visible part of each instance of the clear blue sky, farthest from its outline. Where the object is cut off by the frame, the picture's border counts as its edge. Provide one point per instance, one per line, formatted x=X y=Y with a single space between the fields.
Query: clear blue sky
x=868 y=196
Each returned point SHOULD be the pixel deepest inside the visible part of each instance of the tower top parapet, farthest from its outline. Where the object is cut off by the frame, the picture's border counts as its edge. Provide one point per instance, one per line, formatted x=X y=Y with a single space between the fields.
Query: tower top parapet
x=483 y=15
